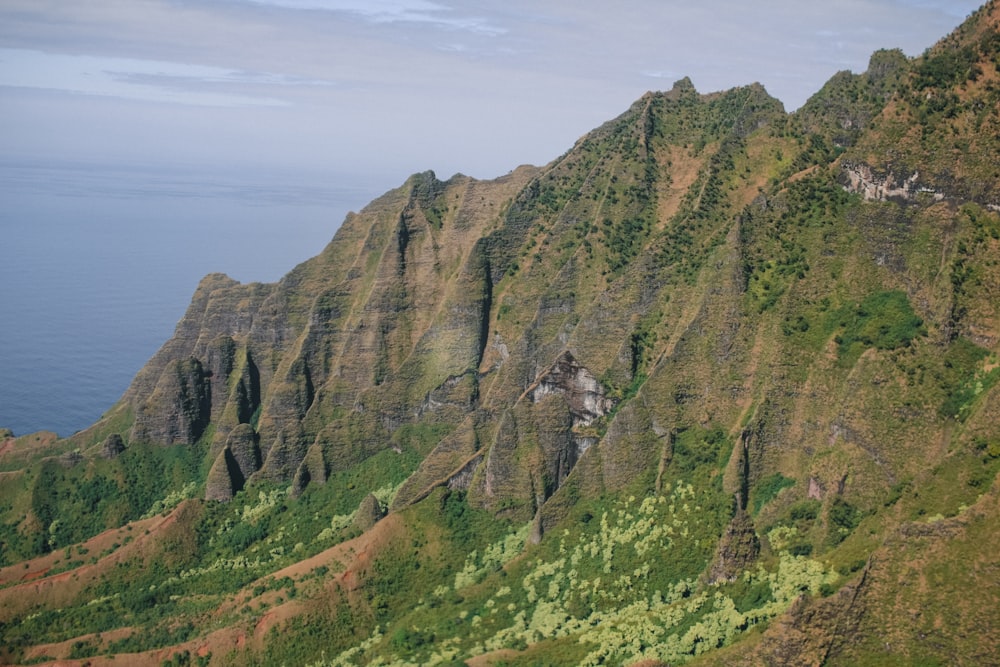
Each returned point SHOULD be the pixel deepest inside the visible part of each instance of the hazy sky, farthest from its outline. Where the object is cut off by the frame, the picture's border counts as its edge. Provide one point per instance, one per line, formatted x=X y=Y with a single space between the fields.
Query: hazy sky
x=390 y=87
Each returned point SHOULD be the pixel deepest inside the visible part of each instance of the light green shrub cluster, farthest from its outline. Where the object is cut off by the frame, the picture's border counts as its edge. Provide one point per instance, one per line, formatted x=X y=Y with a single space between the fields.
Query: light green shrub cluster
x=641 y=631
x=632 y=539
x=613 y=586
x=781 y=536
x=337 y=523
x=346 y=659
x=265 y=503
x=493 y=558
x=795 y=576
x=386 y=494
x=172 y=500
x=240 y=562
x=445 y=652
x=628 y=621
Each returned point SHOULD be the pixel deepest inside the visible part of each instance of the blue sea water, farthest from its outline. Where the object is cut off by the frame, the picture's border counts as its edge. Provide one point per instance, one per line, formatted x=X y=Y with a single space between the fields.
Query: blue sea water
x=98 y=264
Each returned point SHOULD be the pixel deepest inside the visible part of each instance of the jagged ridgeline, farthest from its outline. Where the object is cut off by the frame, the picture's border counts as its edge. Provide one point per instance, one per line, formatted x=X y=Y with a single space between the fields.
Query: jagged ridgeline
x=718 y=385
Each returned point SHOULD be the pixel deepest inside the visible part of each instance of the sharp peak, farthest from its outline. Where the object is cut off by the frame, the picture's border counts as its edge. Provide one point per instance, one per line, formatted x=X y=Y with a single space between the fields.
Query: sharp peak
x=684 y=87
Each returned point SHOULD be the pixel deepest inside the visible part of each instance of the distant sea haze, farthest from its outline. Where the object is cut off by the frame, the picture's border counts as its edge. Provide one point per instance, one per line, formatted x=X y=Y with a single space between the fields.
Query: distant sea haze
x=99 y=263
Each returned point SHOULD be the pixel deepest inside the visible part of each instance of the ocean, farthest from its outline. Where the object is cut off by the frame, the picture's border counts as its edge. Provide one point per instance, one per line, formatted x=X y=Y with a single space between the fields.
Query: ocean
x=97 y=265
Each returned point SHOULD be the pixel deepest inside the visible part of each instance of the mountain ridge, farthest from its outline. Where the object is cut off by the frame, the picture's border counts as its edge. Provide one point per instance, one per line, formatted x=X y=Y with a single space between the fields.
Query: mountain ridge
x=713 y=385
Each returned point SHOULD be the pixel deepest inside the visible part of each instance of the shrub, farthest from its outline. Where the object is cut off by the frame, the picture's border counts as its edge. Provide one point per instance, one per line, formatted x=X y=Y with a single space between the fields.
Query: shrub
x=768 y=488
x=843 y=518
x=806 y=510
x=883 y=320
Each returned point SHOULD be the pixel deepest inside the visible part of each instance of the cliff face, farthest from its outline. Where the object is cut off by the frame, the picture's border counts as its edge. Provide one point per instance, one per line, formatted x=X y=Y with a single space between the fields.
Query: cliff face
x=373 y=332
x=775 y=333
x=653 y=277
x=496 y=305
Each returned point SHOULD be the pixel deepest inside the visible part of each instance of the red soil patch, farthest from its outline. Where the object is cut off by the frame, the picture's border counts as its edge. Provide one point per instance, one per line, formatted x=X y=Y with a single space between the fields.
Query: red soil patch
x=60 y=589
x=36 y=574
x=349 y=558
x=33 y=445
x=94 y=546
x=60 y=650
x=218 y=643
x=274 y=618
x=352 y=555
x=264 y=624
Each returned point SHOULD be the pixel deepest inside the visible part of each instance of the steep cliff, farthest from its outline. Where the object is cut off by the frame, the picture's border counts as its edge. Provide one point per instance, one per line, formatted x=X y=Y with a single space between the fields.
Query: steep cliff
x=715 y=368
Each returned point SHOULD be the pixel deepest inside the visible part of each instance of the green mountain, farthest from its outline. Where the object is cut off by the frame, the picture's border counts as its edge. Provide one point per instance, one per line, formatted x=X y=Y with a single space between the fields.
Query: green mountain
x=716 y=386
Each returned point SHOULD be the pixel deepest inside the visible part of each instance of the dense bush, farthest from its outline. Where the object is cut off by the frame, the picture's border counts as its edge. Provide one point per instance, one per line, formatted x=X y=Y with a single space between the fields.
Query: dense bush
x=883 y=320
x=842 y=518
x=769 y=487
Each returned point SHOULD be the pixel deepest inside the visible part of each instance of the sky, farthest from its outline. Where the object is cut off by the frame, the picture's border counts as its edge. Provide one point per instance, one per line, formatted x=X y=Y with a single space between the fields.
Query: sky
x=385 y=88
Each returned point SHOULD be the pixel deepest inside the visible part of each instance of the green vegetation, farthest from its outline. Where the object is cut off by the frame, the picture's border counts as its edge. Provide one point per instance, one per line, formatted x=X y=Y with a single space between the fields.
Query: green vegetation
x=769 y=487
x=843 y=518
x=775 y=240
x=782 y=382
x=72 y=503
x=617 y=589
x=947 y=67
x=964 y=378
x=883 y=320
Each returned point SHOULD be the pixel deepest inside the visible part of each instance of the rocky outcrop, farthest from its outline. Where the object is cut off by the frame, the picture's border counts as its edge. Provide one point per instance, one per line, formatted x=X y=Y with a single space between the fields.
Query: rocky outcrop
x=112 y=447
x=284 y=455
x=737 y=551
x=861 y=179
x=584 y=395
x=224 y=478
x=234 y=465
x=179 y=408
x=243 y=446
x=538 y=443
x=312 y=470
x=370 y=512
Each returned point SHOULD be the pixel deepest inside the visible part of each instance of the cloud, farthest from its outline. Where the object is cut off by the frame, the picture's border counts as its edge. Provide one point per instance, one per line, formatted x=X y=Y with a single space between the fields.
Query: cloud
x=661 y=74
x=130 y=78
x=958 y=10
x=393 y=11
